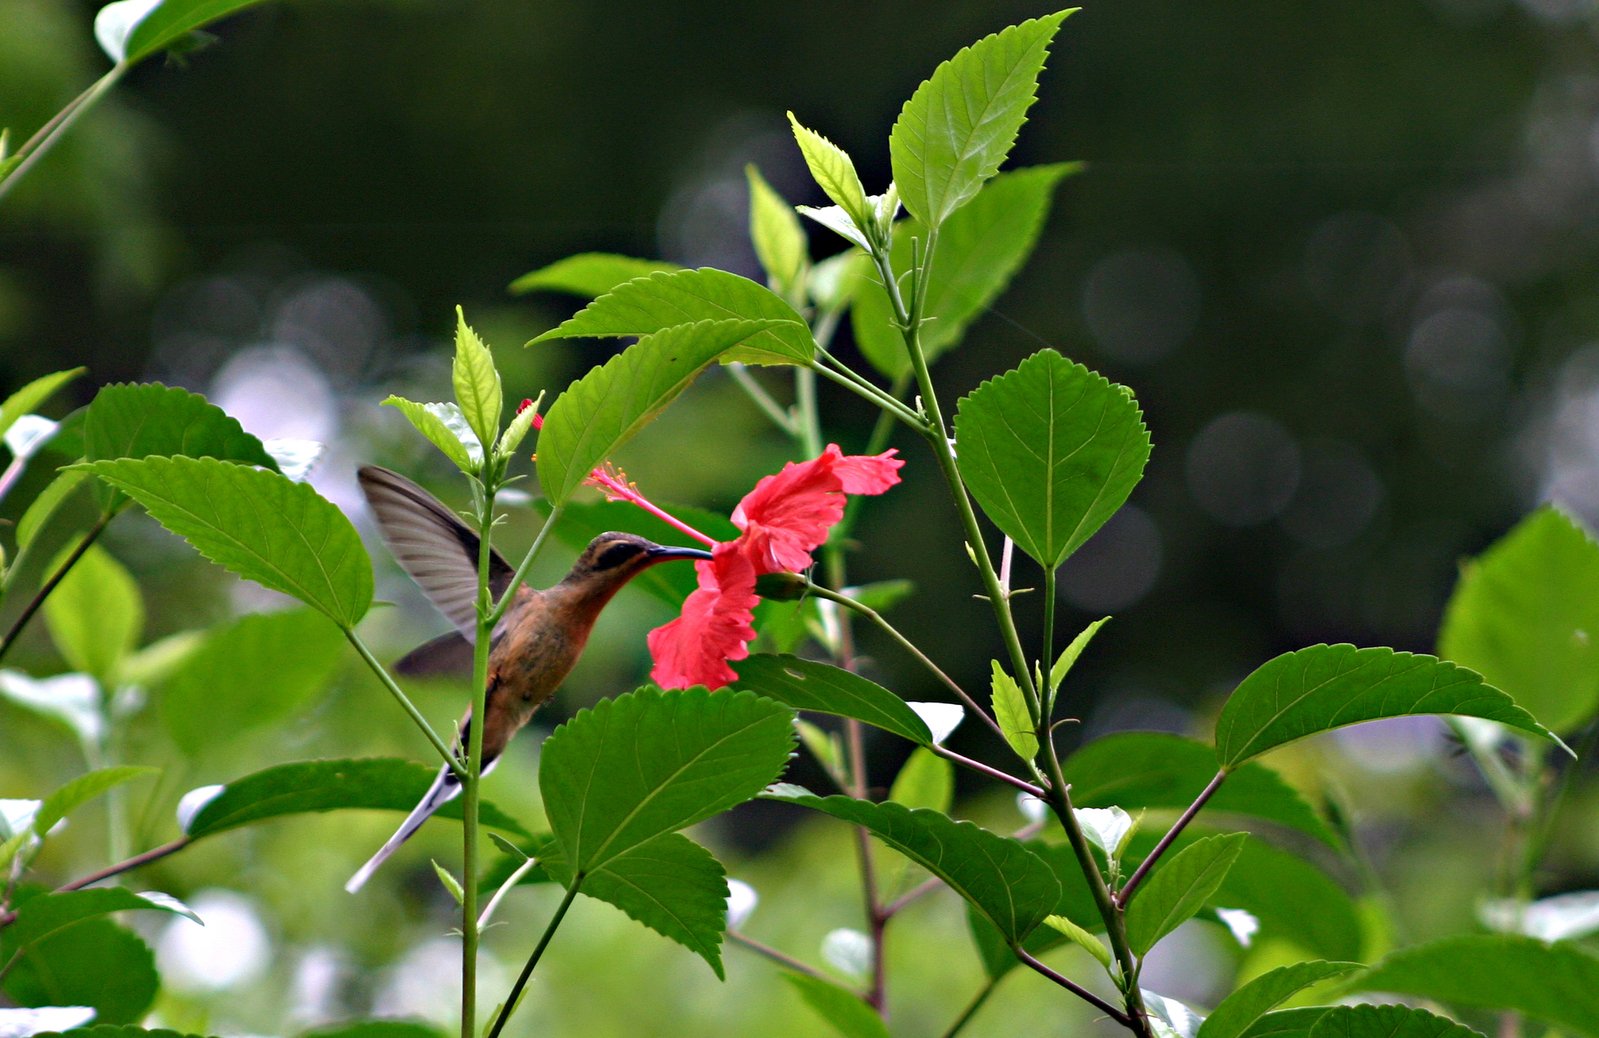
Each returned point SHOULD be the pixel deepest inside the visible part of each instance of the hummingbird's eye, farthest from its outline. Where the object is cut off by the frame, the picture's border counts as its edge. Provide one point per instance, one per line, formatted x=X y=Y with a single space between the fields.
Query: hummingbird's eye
x=616 y=555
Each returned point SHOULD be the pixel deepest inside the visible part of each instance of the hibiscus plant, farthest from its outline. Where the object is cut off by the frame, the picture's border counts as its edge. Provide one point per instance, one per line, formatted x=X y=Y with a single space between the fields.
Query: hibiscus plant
x=1120 y=843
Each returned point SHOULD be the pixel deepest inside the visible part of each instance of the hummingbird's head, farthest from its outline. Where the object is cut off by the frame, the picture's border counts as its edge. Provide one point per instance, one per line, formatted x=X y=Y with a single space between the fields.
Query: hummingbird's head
x=612 y=559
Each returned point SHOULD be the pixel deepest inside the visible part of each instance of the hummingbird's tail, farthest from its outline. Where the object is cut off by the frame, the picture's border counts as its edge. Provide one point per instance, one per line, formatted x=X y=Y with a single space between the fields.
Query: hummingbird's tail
x=444 y=789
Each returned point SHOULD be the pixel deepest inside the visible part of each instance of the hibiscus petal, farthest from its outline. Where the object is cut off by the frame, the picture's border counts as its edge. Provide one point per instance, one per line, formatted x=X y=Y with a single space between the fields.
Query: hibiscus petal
x=716 y=625
x=868 y=473
x=789 y=514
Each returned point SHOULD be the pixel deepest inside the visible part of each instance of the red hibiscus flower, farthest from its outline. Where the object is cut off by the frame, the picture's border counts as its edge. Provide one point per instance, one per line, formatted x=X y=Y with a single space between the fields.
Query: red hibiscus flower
x=784 y=519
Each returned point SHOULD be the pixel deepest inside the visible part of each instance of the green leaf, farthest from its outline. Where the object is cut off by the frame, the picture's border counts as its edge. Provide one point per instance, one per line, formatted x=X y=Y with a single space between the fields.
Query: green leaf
x=1050 y=450
x=170 y=22
x=1068 y=656
x=428 y=421
x=477 y=384
x=270 y=664
x=1009 y=884
x=980 y=248
x=72 y=700
x=668 y=760
x=83 y=789
x=1525 y=615
x=926 y=780
x=651 y=304
x=1296 y=903
x=1266 y=992
x=44 y=506
x=449 y=882
x=1386 y=1022
x=834 y=172
x=1555 y=983
x=1135 y=770
x=1287 y=1023
x=845 y=1011
x=327 y=785
x=1178 y=888
x=1080 y=937
x=1329 y=686
x=40 y=918
x=27 y=399
x=128 y=420
x=375 y=1029
x=587 y=274
x=95 y=614
x=824 y=689
x=670 y=884
x=257 y=524
x=1010 y=710
x=959 y=126
x=606 y=407
x=779 y=240
x=95 y=963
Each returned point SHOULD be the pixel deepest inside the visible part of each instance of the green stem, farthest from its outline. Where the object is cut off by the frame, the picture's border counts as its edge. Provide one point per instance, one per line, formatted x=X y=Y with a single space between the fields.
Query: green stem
x=471 y=784
x=1075 y=988
x=55 y=578
x=46 y=136
x=1046 y=656
x=533 y=960
x=872 y=394
x=782 y=958
x=1125 y=894
x=450 y=759
x=808 y=428
x=762 y=399
x=527 y=562
x=972 y=1007
x=909 y=646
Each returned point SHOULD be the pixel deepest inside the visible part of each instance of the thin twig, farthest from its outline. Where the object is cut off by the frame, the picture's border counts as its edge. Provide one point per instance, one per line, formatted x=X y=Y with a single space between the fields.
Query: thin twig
x=993 y=773
x=782 y=958
x=972 y=1007
x=533 y=960
x=49 y=585
x=451 y=760
x=1126 y=893
x=1074 y=987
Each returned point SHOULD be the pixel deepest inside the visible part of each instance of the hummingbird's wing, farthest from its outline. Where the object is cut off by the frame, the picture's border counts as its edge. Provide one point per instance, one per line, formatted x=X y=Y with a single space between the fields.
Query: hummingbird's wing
x=435 y=547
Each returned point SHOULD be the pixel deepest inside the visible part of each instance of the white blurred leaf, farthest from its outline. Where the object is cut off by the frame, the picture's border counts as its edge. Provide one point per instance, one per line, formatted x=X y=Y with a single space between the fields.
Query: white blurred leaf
x=1105 y=826
x=193 y=801
x=848 y=950
x=741 y=902
x=116 y=22
x=1551 y=919
x=295 y=457
x=72 y=699
x=941 y=718
x=1242 y=924
x=28 y=433
x=20 y=1023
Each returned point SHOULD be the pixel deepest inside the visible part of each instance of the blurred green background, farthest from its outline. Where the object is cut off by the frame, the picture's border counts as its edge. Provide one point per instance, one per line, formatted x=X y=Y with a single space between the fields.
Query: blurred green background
x=1344 y=254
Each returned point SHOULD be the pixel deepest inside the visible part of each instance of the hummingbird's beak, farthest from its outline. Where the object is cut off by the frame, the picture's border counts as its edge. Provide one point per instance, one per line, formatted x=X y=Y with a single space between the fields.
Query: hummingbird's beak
x=663 y=553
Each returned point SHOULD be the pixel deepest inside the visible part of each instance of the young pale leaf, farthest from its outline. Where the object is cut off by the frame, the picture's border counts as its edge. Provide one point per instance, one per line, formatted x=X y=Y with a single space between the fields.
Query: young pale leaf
x=824 y=689
x=845 y=1012
x=587 y=274
x=670 y=760
x=1169 y=1017
x=1266 y=992
x=670 y=884
x=95 y=614
x=272 y=665
x=1390 y=1021
x=29 y=397
x=1178 y=888
x=959 y=126
x=327 y=785
x=980 y=248
x=1080 y=937
x=779 y=239
x=257 y=524
x=1050 y=450
x=429 y=423
x=1156 y=770
x=477 y=383
x=925 y=780
x=131 y=30
x=834 y=172
x=835 y=219
x=39 y=918
x=95 y=963
x=1525 y=616
x=1106 y=827
x=1005 y=880
x=517 y=428
x=1068 y=655
x=450 y=883
x=137 y=420
x=1010 y=710
x=1329 y=686
x=606 y=407
x=647 y=305
x=1556 y=983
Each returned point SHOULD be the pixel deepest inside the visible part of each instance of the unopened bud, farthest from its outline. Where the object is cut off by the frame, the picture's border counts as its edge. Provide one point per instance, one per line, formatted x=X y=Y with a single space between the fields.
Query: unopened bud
x=781 y=587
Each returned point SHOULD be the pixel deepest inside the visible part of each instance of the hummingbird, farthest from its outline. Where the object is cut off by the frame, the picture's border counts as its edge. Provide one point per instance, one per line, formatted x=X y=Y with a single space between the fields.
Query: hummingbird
x=531 y=650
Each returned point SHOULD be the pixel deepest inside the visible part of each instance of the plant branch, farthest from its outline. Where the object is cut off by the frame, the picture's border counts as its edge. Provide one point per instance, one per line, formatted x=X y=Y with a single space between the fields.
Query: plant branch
x=533 y=960
x=46 y=136
x=909 y=646
x=520 y=575
x=1125 y=895
x=861 y=388
x=761 y=398
x=1075 y=988
x=782 y=958
x=994 y=773
x=972 y=1007
x=451 y=761
x=471 y=786
x=54 y=579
